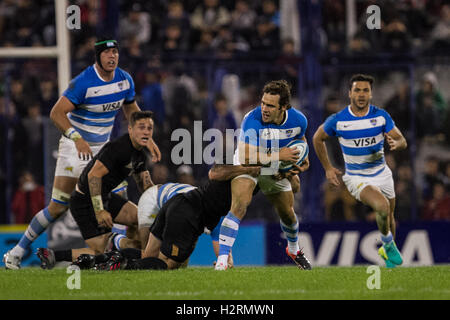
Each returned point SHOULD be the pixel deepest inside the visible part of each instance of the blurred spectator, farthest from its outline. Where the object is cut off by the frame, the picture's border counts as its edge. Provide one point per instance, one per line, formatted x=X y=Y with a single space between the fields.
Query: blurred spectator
x=395 y=37
x=48 y=95
x=18 y=97
x=266 y=40
x=220 y=116
x=438 y=207
x=359 y=45
x=177 y=15
x=174 y=39
x=403 y=192
x=431 y=176
x=204 y=44
x=225 y=44
x=209 y=15
x=440 y=35
x=136 y=24
x=399 y=106
x=289 y=63
x=33 y=124
x=431 y=107
x=28 y=199
x=243 y=19
x=334 y=25
x=271 y=13
x=185 y=174
x=152 y=97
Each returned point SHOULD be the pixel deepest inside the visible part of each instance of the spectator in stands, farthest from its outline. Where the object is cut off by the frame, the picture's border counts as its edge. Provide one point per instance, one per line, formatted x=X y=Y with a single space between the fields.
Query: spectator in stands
x=177 y=15
x=403 y=192
x=395 y=37
x=203 y=46
x=33 y=124
x=440 y=35
x=399 y=106
x=136 y=24
x=438 y=207
x=271 y=13
x=220 y=116
x=226 y=44
x=431 y=107
x=289 y=62
x=48 y=95
x=266 y=39
x=152 y=98
x=174 y=39
x=431 y=176
x=28 y=199
x=243 y=19
x=160 y=173
x=209 y=15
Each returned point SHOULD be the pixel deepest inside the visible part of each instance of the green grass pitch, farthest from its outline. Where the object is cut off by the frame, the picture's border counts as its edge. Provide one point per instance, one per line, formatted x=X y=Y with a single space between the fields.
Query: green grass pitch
x=242 y=283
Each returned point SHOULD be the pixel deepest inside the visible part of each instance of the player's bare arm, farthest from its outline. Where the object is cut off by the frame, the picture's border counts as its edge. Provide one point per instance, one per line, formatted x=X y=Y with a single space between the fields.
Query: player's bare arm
x=95 y=189
x=223 y=172
x=252 y=155
x=319 y=146
x=58 y=115
x=143 y=180
x=395 y=139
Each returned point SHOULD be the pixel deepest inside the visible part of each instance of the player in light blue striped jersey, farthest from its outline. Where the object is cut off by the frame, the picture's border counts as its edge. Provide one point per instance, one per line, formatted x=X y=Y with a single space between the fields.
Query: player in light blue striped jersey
x=265 y=133
x=362 y=129
x=85 y=116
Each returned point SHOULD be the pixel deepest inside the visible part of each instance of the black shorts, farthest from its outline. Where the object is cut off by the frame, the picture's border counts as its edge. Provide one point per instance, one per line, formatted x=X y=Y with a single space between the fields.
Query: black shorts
x=84 y=214
x=178 y=225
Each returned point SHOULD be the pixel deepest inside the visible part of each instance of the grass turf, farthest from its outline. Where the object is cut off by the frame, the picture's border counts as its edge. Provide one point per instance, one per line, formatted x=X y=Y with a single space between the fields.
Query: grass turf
x=242 y=283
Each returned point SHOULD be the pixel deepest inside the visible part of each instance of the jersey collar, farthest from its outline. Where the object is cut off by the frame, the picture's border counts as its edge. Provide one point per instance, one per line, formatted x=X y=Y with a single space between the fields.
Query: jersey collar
x=100 y=77
x=351 y=112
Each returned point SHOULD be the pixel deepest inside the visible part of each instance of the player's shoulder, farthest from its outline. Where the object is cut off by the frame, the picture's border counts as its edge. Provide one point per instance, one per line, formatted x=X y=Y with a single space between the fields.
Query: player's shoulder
x=253 y=117
x=378 y=111
x=85 y=77
x=122 y=74
x=296 y=114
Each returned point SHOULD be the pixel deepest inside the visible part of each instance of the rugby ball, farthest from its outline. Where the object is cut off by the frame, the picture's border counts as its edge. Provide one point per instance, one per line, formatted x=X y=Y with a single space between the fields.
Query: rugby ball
x=300 y=145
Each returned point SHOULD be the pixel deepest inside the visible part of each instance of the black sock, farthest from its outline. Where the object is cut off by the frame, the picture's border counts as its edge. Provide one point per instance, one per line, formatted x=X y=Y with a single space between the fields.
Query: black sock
x=131 y=253
x=146 y=264
x=63 y=255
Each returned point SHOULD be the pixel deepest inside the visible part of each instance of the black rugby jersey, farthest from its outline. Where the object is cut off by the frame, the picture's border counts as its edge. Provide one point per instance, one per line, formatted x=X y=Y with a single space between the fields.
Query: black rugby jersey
x=121 y=159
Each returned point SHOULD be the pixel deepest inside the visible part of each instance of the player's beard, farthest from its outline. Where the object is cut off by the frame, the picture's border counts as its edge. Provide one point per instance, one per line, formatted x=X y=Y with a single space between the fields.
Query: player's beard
x=358 y=105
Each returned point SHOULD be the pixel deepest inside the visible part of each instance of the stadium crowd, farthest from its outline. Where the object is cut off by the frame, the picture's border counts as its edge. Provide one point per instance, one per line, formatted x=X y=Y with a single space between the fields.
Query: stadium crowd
x=168 y=45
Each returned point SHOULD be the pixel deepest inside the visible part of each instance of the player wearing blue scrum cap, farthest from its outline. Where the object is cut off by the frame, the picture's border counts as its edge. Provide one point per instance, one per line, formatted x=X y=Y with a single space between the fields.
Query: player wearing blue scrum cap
x=265 y=133
x=362 y=129
x=85 y=116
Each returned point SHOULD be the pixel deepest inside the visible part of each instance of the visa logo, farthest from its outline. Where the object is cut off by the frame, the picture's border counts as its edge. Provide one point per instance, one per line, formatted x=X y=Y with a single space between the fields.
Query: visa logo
x=364 y=142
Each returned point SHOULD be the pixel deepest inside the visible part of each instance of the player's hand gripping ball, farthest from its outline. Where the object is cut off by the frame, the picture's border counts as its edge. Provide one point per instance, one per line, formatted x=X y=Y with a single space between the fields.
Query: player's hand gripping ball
x=300 y=145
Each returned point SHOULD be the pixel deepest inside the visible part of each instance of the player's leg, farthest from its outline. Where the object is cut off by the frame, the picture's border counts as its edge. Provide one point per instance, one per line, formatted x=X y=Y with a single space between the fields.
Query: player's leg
x=392 y=223
x=373 y=197
x=241 y=191
x=215 y=243
x=62 y=188
x=283 y=203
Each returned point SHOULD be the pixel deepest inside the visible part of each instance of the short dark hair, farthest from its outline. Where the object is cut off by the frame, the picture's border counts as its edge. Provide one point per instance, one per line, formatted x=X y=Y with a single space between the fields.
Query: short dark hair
x=281 y=88
x=361 y=77
x=138 y=115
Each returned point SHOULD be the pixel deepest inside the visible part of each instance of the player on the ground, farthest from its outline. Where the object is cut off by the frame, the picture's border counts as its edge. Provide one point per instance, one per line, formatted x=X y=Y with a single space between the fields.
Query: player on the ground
x=265 y=131
x=179 y=223
x=93 y=204
x=85 y=115
x=362 y=129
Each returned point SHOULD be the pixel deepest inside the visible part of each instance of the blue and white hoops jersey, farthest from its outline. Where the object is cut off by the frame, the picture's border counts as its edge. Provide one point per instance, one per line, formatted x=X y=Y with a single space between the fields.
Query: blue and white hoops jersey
x=154 y=198
x=361 y=139
x=168 y=190
x=271 y=136
x=97 y=102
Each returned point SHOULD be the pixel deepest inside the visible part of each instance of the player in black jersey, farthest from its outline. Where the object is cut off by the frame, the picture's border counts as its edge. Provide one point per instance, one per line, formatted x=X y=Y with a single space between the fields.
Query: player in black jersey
x=180 y=222
x=93 y=205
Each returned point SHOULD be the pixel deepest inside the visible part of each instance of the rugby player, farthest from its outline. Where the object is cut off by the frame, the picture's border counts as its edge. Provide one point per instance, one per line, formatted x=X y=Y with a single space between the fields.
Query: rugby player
x=265 y=131
x=85 y=115
x=362 y=129
x=93 y=204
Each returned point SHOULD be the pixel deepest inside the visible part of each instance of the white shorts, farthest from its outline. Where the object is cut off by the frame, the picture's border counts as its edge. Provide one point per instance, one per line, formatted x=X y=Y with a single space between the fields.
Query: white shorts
x=148 y=207
x=266 y=183
x=68 y=163
x=384 y=181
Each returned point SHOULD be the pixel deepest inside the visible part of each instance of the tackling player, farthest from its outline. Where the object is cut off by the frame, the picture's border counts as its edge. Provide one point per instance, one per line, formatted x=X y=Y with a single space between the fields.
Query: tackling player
x=85 y=115
x=362 y=129
x=265 y=131
x=93 y=204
